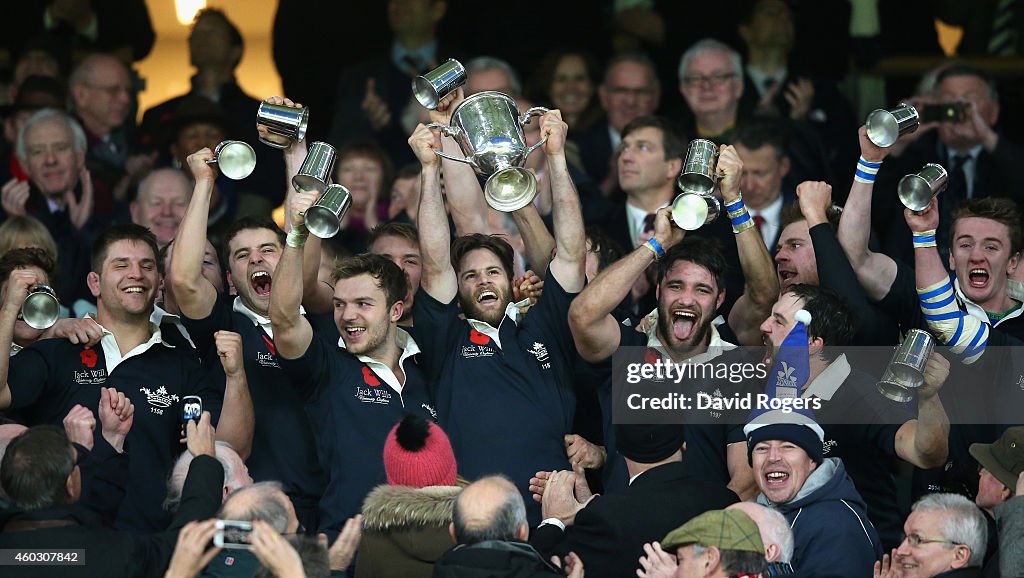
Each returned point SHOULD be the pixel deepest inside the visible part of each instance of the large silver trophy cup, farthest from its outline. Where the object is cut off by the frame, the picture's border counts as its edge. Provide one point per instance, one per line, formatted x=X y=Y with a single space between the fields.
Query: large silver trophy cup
x=489 y=130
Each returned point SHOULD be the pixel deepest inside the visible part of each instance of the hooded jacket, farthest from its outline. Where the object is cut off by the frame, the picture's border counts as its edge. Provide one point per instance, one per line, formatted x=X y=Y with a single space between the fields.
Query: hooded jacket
x=494 y=559
x=405 y=530
x=832 y=534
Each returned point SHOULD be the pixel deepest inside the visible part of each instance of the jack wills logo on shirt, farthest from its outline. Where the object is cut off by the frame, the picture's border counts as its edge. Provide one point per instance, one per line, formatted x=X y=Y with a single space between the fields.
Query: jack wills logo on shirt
x=159 y=400
x=90 y=376
x=268 y=359
x=380 y=395
x=541 y=353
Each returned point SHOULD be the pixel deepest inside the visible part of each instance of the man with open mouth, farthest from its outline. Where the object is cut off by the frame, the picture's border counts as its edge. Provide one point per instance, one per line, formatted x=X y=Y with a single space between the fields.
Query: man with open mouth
x=283 y=443
x=831 y=530
x=495 y=361
x=690 y=289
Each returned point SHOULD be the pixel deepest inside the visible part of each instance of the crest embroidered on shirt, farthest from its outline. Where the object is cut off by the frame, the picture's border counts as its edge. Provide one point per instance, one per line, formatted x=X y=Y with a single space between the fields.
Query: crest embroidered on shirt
x=541 y=353
x=268 y=359
x=89 y=358
x=159 y=400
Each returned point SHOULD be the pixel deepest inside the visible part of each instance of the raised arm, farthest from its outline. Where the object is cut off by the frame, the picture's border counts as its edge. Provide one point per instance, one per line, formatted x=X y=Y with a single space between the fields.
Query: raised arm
x=292 y=331
x=438 y=278
x=761 y=284
x=963 y=333
x=570 y=239
x=194 y=293
x=875 y=271
x=924 y=441
x=537 y=240
x=594 y=329
x=18 y=285
x=465 y=197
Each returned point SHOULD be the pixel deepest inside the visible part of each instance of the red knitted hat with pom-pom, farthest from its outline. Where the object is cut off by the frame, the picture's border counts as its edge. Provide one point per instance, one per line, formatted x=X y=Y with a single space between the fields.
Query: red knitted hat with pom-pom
x=417 y=453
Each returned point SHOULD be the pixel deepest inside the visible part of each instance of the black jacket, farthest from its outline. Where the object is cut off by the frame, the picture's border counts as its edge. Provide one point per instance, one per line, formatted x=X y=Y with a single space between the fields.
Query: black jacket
x=609 y=534
x=493 y=559
x=110 y=553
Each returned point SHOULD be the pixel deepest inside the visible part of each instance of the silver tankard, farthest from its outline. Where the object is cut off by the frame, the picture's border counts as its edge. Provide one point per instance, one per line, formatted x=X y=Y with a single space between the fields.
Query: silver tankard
x=323 y=219
x=884 y=127
x=906 y=370
x=41 y=308
x=489 y=130
x=691 y=211
x=235 y=158
x=284 y=121
x=433 y=86
x=917 y=190
x=316 y=168
x=700 y=169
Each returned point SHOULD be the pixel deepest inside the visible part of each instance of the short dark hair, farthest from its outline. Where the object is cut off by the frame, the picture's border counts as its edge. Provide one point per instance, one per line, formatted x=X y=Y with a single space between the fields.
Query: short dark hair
x=635 y=57
x=388 y=276
x=394 y=229
x=964 y=69
x=233 y=33
x=672 y=140
x=239 y=225
x=607 y=249
x=500 y=247
x=999 y=209
x=831 y=318
x=409 y=171
x=700 y=251
x=791 y=214
x=122 y=232
x=759 y=131
x=27 y=257
x=36 y=467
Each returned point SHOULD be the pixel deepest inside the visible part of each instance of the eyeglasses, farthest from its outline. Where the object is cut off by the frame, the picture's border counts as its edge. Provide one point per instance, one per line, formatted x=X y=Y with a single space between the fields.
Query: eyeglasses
x=915 y=540
x=713 y=80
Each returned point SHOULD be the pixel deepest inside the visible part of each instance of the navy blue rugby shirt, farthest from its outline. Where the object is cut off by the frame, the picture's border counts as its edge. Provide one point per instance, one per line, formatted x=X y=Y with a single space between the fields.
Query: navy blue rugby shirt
x=506 y=404
x=282 y=446
x=52 y=376
x=353 y=402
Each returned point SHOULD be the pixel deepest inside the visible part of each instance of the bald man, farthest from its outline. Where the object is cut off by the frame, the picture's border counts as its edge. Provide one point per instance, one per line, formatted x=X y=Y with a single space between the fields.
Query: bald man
x=490 y=530
x=161 y=202
x=775 y=535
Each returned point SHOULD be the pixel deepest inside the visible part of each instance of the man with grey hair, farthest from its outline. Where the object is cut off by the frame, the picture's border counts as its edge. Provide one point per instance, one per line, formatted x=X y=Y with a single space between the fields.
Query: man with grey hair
x=490 y=531
x=630 y=90
x=711 y=82
x=775 y=535
x=236 y=475
x=161 y=202
x=490 y=73
x=946 y=537
x=51 y=147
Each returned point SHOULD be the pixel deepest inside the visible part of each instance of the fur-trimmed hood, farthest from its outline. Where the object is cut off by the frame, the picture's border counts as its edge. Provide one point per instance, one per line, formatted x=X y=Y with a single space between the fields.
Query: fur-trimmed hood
x=390 y=508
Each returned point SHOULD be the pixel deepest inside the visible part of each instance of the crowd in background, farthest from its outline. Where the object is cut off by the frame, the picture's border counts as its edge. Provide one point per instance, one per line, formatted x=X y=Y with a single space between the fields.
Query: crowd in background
x=430 y=391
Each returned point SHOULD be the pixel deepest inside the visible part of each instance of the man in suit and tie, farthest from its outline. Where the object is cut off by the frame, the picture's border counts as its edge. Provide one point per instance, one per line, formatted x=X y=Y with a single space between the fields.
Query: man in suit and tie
x=761 y=145
x=630 y=90
x=608 y=533
x=980 y=161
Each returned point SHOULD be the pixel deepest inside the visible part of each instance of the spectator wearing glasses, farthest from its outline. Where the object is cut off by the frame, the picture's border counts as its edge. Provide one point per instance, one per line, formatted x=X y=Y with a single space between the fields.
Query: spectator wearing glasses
x=711 y=82
x=630 y=89
x=945 y=537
